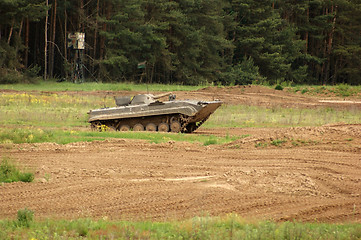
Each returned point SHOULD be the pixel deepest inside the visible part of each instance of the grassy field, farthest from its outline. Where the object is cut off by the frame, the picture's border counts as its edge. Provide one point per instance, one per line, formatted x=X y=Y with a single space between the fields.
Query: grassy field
x=341 y=90
x=254 y=116
x=227 y=227
x=94 y=86
x=38 y=135
x=62 y=118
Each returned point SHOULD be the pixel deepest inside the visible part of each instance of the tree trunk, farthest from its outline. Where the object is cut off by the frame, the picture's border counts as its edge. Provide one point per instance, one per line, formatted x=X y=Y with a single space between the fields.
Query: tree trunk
x=65 y=33
x=11 y=31
x=95 y=38
x=26 y=57
x=52 y=41
x=95 y=34
x=306 y=34
x=329 y=45
x=21 y=26
x=46 y=42
x=104 y=28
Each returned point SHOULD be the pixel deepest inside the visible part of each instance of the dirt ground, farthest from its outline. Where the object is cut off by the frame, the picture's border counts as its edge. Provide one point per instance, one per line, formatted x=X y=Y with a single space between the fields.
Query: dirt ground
x=313 y=175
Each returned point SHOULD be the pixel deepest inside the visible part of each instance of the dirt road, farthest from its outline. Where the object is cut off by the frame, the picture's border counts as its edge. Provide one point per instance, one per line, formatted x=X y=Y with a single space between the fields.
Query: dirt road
x=313 y=174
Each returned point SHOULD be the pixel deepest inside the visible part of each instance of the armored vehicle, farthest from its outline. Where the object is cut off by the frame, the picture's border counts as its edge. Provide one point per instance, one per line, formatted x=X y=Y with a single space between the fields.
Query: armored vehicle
x=145 y=112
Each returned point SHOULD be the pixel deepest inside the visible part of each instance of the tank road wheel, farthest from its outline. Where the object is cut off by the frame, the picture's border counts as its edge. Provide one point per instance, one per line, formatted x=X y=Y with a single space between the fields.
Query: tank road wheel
x=124 y=128
x=138 y=127
x=96 y=126
x=151 y=127
x=163 y=127
x=175 y=127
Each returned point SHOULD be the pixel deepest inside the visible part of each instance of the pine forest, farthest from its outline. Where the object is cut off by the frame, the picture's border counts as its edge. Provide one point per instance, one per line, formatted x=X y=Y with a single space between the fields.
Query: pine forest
x=190 y=42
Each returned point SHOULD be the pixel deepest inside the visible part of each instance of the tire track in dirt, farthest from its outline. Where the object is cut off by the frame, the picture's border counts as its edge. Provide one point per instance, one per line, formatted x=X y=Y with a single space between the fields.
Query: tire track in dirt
x=134 y=179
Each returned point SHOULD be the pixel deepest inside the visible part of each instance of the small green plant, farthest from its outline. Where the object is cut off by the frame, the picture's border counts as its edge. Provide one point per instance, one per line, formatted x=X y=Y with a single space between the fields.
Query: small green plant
x=279 y=87
x=25 y=218
x=10 y=173
x=47 y=177
x=277 y=142
x=237 y=146
x=304 y=90
x=261 y=145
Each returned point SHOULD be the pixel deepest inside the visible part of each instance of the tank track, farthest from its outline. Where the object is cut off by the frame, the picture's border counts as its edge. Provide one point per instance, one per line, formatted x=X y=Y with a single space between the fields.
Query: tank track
x=165 y=123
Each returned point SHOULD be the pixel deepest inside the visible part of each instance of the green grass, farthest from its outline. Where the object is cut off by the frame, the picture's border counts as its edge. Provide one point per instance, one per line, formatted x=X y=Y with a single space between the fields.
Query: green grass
x=37 y=135
x=93 y=86
x=49 y=110
x=9 y=172
x=228 y=227
x=62 y=118
x=340 y=90
x=253 y=116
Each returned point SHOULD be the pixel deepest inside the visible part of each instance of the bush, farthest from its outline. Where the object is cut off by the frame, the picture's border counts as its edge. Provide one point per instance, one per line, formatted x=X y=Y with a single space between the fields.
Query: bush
x=10 y=173
x=25 y=217
x=279 y=87
x=9 y=76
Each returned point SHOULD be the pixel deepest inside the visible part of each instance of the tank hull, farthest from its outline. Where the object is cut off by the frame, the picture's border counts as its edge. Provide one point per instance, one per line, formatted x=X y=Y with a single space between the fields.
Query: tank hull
x=174 y=116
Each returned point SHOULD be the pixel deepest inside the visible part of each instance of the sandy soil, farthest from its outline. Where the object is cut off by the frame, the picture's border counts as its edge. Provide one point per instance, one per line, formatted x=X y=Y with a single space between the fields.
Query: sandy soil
x=313 y=175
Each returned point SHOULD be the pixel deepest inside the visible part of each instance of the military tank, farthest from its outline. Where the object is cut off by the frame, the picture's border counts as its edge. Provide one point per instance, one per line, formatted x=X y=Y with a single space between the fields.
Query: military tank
x=145 y=112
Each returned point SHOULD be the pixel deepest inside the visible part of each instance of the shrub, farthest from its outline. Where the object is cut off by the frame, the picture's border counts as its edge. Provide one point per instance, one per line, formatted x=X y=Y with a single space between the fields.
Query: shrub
x=10 y=173
x=279 y=87
x=9 y=76
x=25 y=217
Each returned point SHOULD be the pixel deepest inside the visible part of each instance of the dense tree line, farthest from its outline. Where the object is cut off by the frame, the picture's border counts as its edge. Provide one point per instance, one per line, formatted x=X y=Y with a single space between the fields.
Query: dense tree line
x=185 y=41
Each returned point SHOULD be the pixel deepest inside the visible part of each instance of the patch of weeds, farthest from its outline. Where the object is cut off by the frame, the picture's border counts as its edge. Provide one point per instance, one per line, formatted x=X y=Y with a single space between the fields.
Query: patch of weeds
x=25 y=218
x=320 y=90
x=297 y=89
x=349 y=139
x=237 y=146
x=301 y=141
x=261 y=145
x=9 y=172
x=47 y=177
x=343 y=90
x=210 y=141
x=278 y=142
x=25 y=135
x=304 y=90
